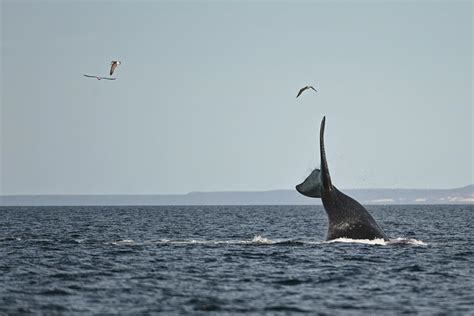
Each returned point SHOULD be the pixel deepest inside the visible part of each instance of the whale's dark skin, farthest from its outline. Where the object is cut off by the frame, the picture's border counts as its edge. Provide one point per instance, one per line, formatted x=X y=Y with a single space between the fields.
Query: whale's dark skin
x=347 y=217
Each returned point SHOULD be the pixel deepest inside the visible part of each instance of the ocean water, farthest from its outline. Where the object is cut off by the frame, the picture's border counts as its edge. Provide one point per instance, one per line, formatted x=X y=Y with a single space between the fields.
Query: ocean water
x=232 y=259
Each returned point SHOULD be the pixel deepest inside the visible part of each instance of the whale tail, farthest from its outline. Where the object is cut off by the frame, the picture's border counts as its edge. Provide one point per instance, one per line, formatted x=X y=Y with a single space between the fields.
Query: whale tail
x=347 y=217
x=312 y=185
x=318 y=180
x=325 y=176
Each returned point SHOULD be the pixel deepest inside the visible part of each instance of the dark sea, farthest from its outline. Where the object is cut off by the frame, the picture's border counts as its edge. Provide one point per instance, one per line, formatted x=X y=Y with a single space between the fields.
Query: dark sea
x=204 y=260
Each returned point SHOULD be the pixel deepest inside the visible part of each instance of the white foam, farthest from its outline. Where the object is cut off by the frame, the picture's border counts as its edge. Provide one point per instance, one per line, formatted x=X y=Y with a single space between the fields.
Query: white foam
x=178 y=242
x=260 y=240
x=123 y=242
x=377 y=241
x=410 y=241
x=380 y=241
x=9 y=238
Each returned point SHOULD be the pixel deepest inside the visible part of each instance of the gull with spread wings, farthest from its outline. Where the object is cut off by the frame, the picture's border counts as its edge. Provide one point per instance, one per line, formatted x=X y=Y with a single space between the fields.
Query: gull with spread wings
x=99 y=77
x=305 y=88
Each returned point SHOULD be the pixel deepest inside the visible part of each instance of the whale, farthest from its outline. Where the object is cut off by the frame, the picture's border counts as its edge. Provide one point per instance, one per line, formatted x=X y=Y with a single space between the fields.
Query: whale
x=347 y=218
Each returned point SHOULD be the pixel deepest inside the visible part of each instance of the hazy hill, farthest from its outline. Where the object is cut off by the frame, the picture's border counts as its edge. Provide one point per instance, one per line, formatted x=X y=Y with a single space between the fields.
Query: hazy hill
x=464 y=195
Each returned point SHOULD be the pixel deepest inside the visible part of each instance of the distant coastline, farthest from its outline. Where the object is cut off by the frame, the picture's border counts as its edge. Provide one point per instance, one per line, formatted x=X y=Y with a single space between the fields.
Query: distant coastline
x=463 y=195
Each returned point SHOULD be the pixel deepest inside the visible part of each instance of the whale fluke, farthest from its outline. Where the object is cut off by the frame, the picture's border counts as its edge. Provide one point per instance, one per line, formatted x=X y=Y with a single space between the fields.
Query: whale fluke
x=347 y=217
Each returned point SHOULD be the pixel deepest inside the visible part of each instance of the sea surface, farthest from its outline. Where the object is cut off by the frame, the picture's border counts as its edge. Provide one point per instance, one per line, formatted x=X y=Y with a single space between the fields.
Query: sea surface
x=231 y=260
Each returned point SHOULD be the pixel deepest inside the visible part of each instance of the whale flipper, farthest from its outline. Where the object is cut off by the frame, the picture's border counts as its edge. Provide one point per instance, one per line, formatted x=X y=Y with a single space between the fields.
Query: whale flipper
x=347 y=217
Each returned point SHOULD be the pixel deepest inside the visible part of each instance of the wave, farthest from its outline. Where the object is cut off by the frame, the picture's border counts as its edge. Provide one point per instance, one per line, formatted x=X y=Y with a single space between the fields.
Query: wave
x=256 y=240
x=260 y=240
x=409 y=241
x=8 y=238
x=123 y=242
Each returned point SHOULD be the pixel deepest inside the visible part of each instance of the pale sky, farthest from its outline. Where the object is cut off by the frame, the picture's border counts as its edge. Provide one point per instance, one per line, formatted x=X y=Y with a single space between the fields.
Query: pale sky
x=205 y=97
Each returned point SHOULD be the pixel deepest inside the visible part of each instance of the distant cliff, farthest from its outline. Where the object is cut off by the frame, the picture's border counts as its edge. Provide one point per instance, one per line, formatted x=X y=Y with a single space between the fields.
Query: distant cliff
x=464 y=195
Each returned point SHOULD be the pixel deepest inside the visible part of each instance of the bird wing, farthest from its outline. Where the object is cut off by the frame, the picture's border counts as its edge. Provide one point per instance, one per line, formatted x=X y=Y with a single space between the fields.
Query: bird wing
x=89 y=76
x=107 y=78
x=313 y=88
x=112 y=67
x=301 y=91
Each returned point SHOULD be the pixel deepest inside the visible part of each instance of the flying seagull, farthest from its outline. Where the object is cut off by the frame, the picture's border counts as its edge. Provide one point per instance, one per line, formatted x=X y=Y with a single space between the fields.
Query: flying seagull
x=114 y=65
x=99 y=77
x=302 y=89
